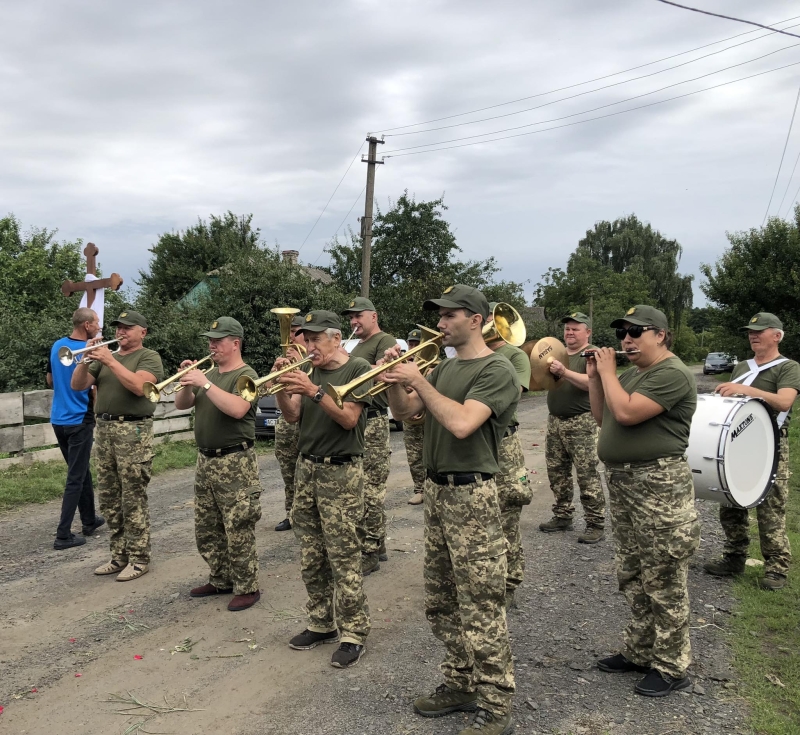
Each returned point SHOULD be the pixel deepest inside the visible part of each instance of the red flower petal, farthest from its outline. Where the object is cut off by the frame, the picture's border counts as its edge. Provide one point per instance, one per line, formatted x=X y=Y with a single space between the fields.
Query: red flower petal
x=77 y=675
x=130 y=610
x=1 y=709
x=534 y=445
x=73 y=640
x=34 y=690
x=138 y=657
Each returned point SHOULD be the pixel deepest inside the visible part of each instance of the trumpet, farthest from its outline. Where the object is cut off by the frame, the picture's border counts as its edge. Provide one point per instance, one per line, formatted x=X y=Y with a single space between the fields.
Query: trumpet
x=154 y=391
x=431 y=344
x=250 y=389
x=66 y=356
x=591 y=353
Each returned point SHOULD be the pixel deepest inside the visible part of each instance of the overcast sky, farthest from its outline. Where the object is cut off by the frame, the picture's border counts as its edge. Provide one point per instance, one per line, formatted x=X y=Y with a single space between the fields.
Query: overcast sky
x=123 y=121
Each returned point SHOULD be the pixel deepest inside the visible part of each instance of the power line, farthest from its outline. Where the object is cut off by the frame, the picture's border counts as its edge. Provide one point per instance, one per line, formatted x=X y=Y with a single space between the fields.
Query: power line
x=344 y=219
x=794 y=199
x=390 y=154
x=780 y=165
x=580 y=84
x=593 y=109
x=788 y=183
x=728 y=17
x=313 y=227
x=582 y=94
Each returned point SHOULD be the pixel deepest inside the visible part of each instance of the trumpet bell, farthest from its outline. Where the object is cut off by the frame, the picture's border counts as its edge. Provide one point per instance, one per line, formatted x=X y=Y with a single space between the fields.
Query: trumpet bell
x=506 y=324
x=250 y=389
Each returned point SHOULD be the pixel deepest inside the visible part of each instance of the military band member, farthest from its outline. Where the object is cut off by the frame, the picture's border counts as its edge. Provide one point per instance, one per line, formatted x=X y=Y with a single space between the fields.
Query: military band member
x=123 y=441
x=513 y=487
x=776 y=380
x=571 y=439
x=227 y=490
x=469 y=402
x=645 y=417
x=413 y=435
x=372 y=343
x=286 y=439
x=329 y=491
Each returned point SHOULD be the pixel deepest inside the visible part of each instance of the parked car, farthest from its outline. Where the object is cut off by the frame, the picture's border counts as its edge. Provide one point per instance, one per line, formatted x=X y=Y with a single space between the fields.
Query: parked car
x=718 y=362
x=267 y=413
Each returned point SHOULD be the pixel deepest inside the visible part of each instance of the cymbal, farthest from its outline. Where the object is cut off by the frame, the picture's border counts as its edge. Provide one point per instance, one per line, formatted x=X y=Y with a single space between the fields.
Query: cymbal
x=543 y=353
x=527 y=348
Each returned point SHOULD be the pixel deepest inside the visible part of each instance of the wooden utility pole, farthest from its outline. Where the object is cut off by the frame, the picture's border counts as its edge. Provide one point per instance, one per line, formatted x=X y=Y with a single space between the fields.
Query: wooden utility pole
x=366 y=220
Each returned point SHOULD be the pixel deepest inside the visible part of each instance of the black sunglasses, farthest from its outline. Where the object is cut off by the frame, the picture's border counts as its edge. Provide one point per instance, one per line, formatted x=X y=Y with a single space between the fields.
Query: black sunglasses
x=635 y=331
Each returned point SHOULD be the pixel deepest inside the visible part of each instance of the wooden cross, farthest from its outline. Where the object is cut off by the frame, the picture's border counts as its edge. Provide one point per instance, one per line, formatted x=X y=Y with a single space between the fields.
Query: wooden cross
x=91 y=287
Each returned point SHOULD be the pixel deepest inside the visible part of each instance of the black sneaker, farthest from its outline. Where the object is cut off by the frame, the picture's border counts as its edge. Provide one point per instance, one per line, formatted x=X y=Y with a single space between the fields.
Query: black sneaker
x=347 y=655
x=98 y=521
x=308 y=639
x=618 y=664
x=284 y=525
x=656 y=684
x=68 y=543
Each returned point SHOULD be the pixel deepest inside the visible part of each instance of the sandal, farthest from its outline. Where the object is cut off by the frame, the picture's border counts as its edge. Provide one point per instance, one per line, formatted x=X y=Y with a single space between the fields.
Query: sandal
x=111 y=567
x=132 y=571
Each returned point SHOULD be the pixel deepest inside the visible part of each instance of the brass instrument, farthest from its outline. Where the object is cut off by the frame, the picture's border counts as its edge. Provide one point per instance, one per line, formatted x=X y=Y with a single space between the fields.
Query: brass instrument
x=285 y=315
x=431 y=344
x=154 y=391
x=506 y=324
x=66 y=356
x=250 y=389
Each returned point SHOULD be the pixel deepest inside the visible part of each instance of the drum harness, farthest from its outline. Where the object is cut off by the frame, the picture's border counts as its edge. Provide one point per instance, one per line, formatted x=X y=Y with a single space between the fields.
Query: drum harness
x=755 y=369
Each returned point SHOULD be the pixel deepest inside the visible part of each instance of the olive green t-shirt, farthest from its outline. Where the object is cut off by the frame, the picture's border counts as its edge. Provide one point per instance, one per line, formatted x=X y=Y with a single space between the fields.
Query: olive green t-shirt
x=319 y=433
x=671 y=385
x=115 y=398
x=785 y=375
x=214 y=429
x=372 y=350
x=522 y=367
x=490 y=380
x=568 y=400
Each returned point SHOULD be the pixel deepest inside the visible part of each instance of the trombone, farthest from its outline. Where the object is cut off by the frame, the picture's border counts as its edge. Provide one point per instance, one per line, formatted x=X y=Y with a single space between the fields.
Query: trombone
x=250 y=389
x=431 y=344
x=154 y=391
x=66 y=356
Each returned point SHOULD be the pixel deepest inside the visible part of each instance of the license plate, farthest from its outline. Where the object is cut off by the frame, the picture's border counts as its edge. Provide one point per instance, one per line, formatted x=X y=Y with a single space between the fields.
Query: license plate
x=270 y=422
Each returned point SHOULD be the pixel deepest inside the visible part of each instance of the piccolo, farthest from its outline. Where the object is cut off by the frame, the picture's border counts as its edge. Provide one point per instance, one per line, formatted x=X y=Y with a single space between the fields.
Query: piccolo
x=592 y=353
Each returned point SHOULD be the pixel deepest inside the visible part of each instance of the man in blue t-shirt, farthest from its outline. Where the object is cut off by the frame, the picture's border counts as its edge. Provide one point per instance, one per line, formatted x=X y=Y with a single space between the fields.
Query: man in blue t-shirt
x=72 y=417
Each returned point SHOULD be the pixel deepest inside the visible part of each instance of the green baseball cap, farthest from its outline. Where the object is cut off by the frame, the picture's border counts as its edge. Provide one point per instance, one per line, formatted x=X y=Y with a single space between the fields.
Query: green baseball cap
x=360 y=303
x=130 y=319
x=577 y=316
x=298 y=320
x=460 y=297
x=225 y=326
x=763 y=320
x=415 y=335
x=644 y=316
x=319 y=321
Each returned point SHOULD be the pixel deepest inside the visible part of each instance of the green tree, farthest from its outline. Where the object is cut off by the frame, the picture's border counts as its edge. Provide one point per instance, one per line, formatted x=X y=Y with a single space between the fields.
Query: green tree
x=414 y=257
x=759 y=272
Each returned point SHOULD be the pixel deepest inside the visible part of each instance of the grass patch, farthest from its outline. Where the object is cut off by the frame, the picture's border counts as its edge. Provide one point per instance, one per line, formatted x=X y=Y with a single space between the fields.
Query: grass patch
x=765 y=632
x=43 y=481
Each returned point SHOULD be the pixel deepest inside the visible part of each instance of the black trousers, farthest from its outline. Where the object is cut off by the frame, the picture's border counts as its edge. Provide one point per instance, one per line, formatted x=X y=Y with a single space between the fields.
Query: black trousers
x=75 y=443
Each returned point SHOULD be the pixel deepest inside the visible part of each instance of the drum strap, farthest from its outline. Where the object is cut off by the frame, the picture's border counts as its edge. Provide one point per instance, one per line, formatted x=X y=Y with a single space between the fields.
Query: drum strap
x=755 y=369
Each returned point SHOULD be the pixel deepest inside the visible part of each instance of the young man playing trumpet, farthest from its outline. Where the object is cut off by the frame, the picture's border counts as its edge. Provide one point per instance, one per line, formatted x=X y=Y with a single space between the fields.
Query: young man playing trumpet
x=227 y=490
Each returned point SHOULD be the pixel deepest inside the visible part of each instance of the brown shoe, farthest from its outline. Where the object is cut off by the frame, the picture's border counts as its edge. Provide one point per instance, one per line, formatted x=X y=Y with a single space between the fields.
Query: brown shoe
x=242 y=602
x=110 y=567
x=415 y=499
x=207 y=590
x=131 y=572
x=592 y=535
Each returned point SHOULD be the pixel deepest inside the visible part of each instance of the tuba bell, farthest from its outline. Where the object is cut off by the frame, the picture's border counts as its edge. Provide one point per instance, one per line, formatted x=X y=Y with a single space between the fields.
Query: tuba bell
x=506 y=324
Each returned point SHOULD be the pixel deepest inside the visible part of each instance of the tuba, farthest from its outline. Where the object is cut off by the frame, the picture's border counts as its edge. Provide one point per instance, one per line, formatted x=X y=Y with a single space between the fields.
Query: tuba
x=154 y=391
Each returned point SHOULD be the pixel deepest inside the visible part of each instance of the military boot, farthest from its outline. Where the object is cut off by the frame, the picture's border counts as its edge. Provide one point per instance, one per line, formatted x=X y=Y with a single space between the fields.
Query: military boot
x=444 y=701
x=382 y=555
x=772 y=581
x=592 y=535
x=556 y=524
x=370 y=563
x=487 y=723
x=728 y=566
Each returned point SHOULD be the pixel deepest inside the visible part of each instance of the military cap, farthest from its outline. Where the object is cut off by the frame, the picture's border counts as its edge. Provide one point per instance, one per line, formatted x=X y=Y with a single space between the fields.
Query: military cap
x=415 y=335
x=360 y=303
x=460 y=297
x=763 y=320
x=577 y=316
x=319 y=321
x=298 y=320
x=644 y=316
x=225 y=326
x=130 y=319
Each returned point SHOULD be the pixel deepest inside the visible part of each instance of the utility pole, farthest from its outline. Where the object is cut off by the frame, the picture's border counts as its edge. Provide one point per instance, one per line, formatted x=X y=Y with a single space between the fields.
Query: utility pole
x=366 y=220
x=591 y=307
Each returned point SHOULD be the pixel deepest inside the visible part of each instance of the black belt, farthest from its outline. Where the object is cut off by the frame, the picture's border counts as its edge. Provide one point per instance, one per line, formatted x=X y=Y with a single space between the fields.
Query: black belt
x=510 y=430
x=337 y=459
x=115 y=417
x=240 y=447
x=373 y=412
x=458 y=478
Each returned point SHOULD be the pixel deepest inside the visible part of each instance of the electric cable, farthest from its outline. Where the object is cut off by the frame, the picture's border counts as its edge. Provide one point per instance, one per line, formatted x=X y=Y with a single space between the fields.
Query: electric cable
x=727 y=17
x=780 y=165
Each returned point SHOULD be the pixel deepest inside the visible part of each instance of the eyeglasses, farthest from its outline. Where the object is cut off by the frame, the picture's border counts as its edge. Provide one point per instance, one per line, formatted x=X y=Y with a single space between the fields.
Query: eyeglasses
x=635 y=331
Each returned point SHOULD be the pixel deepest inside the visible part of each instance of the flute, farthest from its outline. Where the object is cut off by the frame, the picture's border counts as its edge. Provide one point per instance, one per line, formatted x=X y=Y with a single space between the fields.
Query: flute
x=591 y=353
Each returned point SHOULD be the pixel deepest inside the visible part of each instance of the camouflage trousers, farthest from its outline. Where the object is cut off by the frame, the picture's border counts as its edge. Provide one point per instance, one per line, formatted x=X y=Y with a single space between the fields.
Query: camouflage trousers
x=465 y=586
x=412 y=438
x=286 y=453
x=123 y=453
x=227 y=506
x=771 y=516
x=656 y=532
x=328 y=505
x=376 y=473
x=513 y=491
x=573 y=441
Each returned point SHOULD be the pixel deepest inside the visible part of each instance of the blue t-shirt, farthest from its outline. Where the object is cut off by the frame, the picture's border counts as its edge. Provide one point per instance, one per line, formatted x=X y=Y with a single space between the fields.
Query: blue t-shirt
x=70 y=407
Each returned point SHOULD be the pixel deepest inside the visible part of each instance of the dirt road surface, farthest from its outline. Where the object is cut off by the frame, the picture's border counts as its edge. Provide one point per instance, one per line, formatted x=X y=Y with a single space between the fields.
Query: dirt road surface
x=69 y=640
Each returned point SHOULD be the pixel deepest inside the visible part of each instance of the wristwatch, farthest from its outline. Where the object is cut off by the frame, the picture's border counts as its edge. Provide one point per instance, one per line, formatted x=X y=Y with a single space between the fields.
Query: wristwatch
x=207 y=385
x=319 y=395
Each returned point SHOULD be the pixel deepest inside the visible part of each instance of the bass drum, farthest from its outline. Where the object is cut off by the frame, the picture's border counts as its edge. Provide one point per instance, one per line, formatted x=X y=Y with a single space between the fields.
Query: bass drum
x=733 y=450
